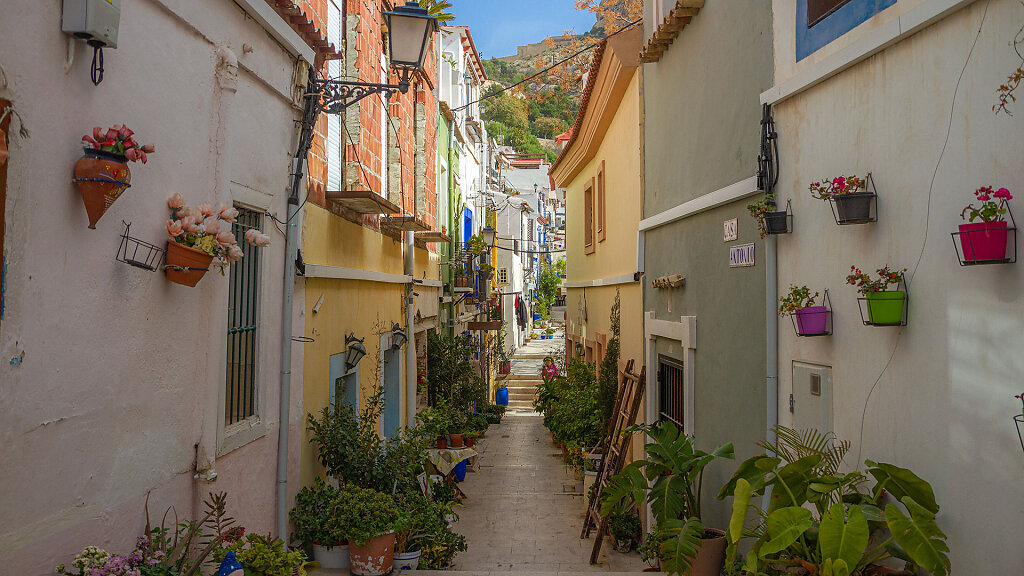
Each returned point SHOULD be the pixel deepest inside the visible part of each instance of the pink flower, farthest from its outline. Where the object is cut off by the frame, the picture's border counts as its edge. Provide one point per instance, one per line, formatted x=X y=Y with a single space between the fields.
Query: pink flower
x=174 y=228
x=189 y=224
x=228 y=213
x=97 y=133
x=149 y=148
x=225 y=238
x=212 y=225
x=132 y=154
x=250 y=235
x=111 y=134
x=141 y=155
x=1003 y=194
x=183 y=212
x=262 y=240
x=176 y=202
x=840 y=181
x=206 y=209
x=89 y=140
x=235 y=254
x=984 y=197
x=125 y=131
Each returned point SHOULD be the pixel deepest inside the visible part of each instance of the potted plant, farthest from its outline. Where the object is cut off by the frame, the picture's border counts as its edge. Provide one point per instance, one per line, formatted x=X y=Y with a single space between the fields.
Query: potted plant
x=625 y=529
x=811 y=320
x=669 y=479
x=437 y=423
x=485 y=271
x=985 y=241
x=850 y=195
x=885 y=307
x=418 y=517
x=369 y=519
x=262 y=556
x=769 y=220
x=820 y=520
x=316 y=521
x=457 y=430
x=650 y=551
x=195 y=236
x=102 y=174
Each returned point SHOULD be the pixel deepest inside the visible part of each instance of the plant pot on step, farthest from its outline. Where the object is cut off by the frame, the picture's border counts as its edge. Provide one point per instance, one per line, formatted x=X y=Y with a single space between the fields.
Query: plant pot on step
x=886 y=307
x=407 y=560
x=456 y=440
x=101 y=177
x=711 y=556
x=375 y=558
x=334 y=557
x=983 y=241
x=186 y=266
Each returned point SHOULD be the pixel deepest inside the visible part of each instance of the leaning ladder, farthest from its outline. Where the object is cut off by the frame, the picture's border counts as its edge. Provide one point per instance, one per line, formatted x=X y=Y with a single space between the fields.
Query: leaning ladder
x=627 y=406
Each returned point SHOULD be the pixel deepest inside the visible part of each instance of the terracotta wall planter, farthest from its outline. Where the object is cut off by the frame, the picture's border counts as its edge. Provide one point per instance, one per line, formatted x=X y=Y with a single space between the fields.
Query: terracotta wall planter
x=197 y=262
x=376 y=558
x=101 y=177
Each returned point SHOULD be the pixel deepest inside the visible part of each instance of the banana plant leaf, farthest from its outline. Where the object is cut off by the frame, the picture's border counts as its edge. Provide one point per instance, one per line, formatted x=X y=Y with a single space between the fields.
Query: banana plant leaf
x=784 y=527
x=919 y=536
x=752 y=470
x=795 y=476
x=843 y=536
x=681 y=540
x=628 y=485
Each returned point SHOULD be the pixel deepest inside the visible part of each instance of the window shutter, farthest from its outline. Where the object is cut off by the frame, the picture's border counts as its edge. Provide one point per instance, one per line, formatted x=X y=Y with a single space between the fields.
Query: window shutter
x=333 y=146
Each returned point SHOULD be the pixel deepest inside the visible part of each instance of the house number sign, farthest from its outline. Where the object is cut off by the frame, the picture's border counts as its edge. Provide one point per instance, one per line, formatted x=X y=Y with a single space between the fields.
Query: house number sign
x=741 y=255
x=730 y=232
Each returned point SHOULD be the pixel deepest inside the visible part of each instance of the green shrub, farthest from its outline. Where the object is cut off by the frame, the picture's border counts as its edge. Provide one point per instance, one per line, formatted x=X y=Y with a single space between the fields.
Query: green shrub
x=315 y=515
x=626 y=530
x=365 y=514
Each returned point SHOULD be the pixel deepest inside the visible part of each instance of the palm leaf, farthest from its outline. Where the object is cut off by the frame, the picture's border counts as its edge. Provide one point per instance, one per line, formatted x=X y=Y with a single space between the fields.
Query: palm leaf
x=681 y=541
x=667 y=498
x=628 y=485
x=919 y=536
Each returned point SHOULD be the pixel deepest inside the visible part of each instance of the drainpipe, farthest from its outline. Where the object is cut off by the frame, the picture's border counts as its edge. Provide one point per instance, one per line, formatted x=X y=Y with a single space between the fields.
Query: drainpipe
x=410 y=343
x=309 y=115
x=771 y=316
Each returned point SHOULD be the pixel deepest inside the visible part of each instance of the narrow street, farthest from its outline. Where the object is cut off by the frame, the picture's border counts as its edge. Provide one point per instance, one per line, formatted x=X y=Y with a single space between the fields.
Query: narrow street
x=524 y=510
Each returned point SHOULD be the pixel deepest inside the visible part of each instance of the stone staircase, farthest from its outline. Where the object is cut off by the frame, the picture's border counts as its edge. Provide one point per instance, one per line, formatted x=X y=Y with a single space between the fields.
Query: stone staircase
x=522 y=391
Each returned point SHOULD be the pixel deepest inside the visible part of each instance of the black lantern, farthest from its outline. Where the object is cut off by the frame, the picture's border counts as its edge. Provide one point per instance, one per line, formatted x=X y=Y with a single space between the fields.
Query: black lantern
x=398 y=337
x=356 y=350
x=488 y=234
x=410 y=29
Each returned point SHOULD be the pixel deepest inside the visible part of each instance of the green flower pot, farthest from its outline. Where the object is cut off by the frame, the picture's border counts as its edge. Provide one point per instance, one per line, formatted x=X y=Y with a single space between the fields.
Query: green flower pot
x=886 y=307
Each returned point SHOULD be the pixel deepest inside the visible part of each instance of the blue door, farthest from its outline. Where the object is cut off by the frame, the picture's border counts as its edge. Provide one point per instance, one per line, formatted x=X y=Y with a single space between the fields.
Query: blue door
x=391 y=419
x=467 y=225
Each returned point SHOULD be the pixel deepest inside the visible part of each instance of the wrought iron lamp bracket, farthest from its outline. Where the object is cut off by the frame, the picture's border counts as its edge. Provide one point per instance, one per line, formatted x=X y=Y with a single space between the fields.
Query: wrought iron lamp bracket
x=337 y=95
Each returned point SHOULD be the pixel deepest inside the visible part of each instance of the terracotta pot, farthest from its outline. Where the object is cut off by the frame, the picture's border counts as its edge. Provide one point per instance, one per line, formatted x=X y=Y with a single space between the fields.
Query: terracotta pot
x=470 y=442
x=442 y=443
x=456 y=440
x=197 y=261
x=461 y=281
x=375 y=558
x=101 y=177
x=711 y=556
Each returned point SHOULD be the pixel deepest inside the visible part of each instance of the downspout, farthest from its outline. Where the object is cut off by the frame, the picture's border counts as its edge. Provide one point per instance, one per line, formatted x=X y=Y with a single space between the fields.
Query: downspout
x=410 y=343
x=309 y=116
x=768 y=177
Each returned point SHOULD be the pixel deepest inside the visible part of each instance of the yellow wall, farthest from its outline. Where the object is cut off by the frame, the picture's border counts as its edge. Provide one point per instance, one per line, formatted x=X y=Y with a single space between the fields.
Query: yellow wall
x=357 y=306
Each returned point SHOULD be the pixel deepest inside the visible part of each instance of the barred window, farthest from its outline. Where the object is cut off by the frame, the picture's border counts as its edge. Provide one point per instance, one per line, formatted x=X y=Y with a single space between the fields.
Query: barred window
x=243 y=323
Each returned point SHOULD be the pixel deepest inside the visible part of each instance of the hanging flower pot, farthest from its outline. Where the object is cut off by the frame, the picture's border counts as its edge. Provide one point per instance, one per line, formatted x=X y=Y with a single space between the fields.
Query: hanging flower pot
x=101 y=174
x=812 y=320
x=101 y=177
x=185 y=265
x=880 y=306
x=886 y=307
x=461 y=281
x=852 y=198
x=809 y=319
x=854 y=208
x=986 y=242
x=983 y=241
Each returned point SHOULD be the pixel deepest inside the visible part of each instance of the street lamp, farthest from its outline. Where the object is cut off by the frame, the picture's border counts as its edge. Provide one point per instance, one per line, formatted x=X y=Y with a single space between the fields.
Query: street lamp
x=356 y=350
x=488 y=234
x=398 y=337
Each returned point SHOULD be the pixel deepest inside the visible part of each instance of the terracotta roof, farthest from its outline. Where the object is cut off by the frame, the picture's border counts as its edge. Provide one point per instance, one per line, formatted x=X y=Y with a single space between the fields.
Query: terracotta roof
x=668 y=30
x=595 y=65
x=303 y=26
x=564 y=136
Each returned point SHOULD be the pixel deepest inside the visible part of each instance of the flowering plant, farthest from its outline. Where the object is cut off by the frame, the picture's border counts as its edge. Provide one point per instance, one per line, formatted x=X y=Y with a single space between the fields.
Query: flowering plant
x=760 y=209
x=207 y=230
x=990 y=210
x=828 y=189
x=118 y=139
x=797 y=299
x=865 y=284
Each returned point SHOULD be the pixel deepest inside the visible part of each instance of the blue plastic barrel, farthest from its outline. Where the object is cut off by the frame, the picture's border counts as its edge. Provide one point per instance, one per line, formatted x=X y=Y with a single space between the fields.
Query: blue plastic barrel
x=460 y=471
x=501 y=396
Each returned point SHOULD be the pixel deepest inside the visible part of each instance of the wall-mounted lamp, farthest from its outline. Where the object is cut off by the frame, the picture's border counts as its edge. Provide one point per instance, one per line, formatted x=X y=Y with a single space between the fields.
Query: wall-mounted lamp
x=488 y=234
x=398 y=336
x=356 y=350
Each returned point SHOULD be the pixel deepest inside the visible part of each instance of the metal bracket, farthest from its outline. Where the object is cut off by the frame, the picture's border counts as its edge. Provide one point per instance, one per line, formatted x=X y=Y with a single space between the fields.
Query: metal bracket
x=337 y=95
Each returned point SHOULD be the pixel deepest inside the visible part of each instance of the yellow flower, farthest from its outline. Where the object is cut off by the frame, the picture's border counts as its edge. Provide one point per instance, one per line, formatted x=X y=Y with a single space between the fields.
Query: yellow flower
x=207 y=244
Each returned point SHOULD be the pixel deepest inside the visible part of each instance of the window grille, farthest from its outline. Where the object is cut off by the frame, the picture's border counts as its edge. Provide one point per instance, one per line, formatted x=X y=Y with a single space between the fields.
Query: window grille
x=503 y=276
x=670 y=388
x=243 y=322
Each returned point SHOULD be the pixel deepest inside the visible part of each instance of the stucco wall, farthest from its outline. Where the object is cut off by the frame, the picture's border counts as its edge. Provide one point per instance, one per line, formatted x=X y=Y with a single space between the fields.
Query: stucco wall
x=943 y=405
x=701 y=130
x=111 y=374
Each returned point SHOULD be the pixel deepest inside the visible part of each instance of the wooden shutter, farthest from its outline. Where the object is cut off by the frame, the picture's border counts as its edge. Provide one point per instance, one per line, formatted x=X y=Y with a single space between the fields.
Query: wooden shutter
x=588 y=219
x=600 y=203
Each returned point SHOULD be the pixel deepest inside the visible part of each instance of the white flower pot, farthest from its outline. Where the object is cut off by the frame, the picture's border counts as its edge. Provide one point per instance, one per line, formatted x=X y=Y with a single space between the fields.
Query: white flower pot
x=335 y=557
x=407 y=560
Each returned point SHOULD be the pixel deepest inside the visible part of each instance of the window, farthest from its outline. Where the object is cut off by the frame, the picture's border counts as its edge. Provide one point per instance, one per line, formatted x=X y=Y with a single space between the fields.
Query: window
x=333 y=144
x=600 y=203
x=588 y=219
x=670 y=390
x=503 y=276
x=344 y=384
x=819 y=22
x=243 y=324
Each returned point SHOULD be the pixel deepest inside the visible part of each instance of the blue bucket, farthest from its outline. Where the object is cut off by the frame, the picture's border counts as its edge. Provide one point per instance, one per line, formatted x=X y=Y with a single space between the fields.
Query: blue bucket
x=460 y=471
x=501 y=396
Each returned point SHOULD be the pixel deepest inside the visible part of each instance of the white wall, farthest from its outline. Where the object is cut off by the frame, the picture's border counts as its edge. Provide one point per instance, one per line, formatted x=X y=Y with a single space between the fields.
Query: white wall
x=118 y=372
x=943 y=406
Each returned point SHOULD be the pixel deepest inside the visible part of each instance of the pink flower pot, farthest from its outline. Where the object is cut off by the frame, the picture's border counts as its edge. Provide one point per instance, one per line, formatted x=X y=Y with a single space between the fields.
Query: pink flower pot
x=812 y=320
x=982 y=241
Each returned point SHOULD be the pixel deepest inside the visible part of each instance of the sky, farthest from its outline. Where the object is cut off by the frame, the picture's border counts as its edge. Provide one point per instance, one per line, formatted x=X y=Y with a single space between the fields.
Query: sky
x=498 y=26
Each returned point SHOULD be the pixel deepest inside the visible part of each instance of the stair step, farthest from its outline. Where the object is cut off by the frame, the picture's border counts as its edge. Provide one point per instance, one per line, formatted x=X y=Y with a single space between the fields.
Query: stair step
x=530 y=377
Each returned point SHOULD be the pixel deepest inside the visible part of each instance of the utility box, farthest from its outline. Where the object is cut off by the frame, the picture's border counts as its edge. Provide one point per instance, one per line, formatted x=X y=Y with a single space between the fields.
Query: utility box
x=95 y=21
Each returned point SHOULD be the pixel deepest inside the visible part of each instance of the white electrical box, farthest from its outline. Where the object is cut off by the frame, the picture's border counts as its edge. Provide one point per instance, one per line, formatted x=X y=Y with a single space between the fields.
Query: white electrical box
x=94 y=21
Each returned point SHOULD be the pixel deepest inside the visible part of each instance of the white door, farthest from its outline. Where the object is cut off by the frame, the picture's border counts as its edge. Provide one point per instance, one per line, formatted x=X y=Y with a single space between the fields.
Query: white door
x=811 y=402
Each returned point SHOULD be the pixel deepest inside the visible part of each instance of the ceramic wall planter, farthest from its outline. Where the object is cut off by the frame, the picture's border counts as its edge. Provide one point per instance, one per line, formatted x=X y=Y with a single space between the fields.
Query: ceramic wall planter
x=407 y=560
x=375 y=558
x=186 y=266
x=101 y=177
x=336 y=556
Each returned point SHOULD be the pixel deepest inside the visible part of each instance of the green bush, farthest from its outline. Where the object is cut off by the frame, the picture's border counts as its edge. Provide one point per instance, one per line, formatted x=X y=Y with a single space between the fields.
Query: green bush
x=365 y=514
x=315 y=515
x=570 y=405
x=626 y=530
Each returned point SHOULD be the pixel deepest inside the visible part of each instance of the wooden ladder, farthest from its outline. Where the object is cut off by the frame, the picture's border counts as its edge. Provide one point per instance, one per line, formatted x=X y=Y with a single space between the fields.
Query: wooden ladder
x=627 y=406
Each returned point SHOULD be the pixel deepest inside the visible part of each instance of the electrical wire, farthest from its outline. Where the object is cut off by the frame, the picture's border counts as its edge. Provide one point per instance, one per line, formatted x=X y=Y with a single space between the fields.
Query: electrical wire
x=927 y=219
x=549 y=68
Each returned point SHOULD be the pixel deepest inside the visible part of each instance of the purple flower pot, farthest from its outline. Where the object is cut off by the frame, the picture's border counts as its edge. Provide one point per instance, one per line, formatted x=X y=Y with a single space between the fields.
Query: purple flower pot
x=812 y=320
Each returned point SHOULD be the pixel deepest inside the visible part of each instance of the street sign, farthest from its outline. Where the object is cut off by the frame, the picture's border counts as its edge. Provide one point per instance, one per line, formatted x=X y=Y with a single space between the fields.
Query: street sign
x=730 y=230
x=741 y=255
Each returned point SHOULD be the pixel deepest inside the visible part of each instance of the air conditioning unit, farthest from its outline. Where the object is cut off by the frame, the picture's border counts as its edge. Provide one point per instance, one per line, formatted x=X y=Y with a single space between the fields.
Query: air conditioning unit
x=95 y=21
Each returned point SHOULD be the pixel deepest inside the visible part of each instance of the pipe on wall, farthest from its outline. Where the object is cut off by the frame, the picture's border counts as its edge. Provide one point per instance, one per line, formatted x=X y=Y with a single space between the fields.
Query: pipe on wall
x=410 y=328
x=771 y=343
